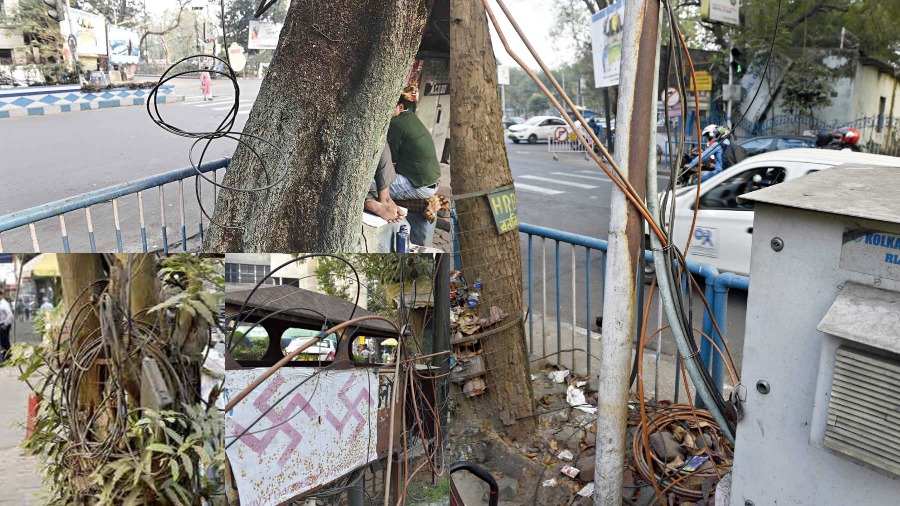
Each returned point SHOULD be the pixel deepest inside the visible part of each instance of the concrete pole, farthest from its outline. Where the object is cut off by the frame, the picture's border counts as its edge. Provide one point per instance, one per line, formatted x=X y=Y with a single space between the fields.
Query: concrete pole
x=635 y=136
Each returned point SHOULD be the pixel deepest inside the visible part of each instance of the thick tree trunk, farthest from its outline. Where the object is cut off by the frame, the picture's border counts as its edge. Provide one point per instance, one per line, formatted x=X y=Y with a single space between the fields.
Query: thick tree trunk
x=480 y=164
x=324 y=107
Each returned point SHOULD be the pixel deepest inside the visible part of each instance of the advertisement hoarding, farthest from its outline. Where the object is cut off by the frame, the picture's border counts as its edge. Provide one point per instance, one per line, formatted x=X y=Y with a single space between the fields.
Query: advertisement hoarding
x=89 y=31
x=124 y=46
x=263 y=35
x=721 y=11
x=606 y=42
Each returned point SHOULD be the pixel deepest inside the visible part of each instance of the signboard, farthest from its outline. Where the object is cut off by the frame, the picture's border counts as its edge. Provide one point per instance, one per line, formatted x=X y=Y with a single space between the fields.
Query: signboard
x=124 y=46
x=606 y=43
x=871 y=252
x=703 y=81
x=503 y=75
x=434 y=89
x=721 y=11
x=324 y=429
x=263 y=35
x=88 y=30
x=504 y=208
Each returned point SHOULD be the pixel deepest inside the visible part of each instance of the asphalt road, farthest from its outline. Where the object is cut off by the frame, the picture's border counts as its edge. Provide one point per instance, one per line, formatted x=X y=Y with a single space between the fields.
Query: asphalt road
x=46 y=158
x=573 y=195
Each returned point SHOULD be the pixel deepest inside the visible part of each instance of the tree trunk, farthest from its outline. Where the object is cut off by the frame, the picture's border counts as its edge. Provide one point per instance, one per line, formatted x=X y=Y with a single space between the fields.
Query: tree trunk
x=479 y=165
x=324 y=108
x=78 y=272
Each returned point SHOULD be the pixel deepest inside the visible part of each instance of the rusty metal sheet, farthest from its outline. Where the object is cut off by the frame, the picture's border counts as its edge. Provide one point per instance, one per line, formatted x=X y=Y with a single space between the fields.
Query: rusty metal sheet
x=323 y=430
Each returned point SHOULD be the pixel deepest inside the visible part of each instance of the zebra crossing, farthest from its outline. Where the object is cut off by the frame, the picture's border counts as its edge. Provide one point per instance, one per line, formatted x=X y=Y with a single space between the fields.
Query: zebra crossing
x=561 y=182
x=223 y=104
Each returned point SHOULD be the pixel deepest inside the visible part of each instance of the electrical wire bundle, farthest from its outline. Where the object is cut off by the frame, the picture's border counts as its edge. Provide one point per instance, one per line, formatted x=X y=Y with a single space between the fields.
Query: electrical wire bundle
x=192 y=65
x=677 y=286
x=93 y=385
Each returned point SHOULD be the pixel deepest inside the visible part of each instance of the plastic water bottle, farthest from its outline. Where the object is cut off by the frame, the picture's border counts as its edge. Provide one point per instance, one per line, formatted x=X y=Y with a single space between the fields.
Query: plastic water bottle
x=403 y=239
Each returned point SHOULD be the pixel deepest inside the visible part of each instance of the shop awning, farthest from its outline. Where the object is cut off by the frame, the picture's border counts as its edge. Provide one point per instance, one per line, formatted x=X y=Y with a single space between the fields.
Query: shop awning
x=41 y=266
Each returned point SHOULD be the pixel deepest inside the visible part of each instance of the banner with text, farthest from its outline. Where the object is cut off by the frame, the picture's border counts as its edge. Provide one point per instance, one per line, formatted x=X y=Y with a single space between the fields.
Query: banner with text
x=606 y=37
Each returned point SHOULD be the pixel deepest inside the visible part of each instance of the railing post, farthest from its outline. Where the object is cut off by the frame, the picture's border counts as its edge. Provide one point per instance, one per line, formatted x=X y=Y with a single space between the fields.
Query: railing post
x=530 y=299
x=587 y=306
x=558 y=321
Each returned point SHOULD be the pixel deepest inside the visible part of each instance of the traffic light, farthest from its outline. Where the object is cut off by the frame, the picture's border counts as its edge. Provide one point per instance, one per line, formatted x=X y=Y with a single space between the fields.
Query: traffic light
x=56 y=11
x=737 y=62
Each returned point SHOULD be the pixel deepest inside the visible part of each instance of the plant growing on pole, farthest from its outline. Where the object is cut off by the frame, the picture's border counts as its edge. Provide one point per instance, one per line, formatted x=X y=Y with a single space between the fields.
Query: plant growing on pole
x=318 y=126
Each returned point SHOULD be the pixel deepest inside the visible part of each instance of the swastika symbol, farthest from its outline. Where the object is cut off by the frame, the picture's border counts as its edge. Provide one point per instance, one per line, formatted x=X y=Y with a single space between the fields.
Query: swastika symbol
x=276 y=416
x=352 y=407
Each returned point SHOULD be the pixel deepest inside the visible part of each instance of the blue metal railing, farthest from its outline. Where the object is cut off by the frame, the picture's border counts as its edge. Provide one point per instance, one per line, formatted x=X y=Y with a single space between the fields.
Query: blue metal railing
x=716 y=290
x=30 y=217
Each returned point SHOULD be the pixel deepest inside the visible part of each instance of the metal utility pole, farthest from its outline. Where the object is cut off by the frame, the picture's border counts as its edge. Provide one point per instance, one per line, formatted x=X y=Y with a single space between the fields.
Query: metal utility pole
x=635 y=139
x=730 y=102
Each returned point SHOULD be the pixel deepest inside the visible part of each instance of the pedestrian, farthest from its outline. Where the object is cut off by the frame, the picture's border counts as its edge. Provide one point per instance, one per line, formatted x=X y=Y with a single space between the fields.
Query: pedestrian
x=206 y=84
x=417 y=167
x=6 y=322
x=46 y=306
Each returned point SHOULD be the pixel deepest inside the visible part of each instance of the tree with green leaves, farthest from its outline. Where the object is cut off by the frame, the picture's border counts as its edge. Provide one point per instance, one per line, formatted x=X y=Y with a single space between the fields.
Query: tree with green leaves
x=335 y=277
x=119 y=12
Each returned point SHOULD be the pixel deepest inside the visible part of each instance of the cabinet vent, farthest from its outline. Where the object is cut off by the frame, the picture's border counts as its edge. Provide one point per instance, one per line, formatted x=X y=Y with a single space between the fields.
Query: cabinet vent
x=864 y=410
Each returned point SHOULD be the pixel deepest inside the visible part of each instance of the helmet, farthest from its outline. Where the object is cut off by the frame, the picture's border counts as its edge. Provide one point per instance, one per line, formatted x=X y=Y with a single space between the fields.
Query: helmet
x=849 y=135
x=710 y=131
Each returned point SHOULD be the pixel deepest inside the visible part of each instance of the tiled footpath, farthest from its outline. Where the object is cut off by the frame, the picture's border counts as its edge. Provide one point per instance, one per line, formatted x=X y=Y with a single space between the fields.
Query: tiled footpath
x=20 y=480
x=45 y=100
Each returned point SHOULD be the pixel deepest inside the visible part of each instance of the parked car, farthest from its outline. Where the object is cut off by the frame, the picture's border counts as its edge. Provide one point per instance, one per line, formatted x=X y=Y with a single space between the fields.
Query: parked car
x=538 y=128
x=723 y=234
x=759 y=145
x=513 y=120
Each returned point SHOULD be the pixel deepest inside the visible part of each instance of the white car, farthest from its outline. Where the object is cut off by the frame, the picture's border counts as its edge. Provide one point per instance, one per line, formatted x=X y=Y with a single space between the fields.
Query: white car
x=723 y=235
x=538 y=128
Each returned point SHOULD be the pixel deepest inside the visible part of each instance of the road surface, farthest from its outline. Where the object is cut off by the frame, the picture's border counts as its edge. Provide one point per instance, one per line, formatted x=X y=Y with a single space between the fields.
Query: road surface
x=573 y=195
x=46 y=158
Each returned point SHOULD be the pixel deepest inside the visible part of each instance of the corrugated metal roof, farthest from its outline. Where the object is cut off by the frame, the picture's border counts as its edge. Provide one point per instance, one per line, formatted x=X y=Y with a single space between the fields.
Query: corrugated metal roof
x=290 y=298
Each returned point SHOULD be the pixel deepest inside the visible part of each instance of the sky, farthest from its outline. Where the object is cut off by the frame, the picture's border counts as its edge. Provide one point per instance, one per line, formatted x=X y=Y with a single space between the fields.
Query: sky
x=536 y=17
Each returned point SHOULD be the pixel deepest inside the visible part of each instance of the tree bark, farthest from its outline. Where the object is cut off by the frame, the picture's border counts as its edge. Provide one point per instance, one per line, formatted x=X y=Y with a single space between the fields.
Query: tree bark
x=480 y=164
x=78 y=272
x=324 y=108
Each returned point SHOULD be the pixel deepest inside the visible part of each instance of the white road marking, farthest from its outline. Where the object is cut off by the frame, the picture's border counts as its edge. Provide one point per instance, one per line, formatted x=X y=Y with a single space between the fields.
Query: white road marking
x=213 y=103
x=592 y=178
x=537 y=189
x=557 y=181
x=244 y=111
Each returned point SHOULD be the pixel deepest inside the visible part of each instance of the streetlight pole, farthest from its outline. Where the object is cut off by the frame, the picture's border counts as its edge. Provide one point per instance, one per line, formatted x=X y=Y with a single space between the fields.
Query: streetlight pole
x=635 y=139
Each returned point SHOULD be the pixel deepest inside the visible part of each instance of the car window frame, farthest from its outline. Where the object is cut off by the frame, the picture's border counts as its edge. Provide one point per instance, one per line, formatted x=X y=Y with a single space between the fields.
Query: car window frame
x=705 y=194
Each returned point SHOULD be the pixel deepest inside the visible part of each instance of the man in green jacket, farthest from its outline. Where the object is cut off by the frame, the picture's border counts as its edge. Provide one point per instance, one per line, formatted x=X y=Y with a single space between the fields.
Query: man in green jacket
x=416 y=165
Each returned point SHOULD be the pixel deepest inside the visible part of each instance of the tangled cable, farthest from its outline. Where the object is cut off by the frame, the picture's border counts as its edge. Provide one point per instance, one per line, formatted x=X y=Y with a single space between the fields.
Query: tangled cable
x=224 y=130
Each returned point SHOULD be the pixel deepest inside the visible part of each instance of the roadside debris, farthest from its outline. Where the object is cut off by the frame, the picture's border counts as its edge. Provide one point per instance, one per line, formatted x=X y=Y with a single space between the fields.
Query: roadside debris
x=468 y=324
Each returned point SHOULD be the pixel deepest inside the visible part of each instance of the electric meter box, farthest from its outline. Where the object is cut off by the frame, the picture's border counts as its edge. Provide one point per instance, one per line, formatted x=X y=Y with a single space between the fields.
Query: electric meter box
x=821 y=358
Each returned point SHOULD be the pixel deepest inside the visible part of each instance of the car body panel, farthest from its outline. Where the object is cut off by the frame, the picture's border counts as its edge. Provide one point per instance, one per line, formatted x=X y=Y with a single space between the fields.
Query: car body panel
x=541 y=127
x=723 y=233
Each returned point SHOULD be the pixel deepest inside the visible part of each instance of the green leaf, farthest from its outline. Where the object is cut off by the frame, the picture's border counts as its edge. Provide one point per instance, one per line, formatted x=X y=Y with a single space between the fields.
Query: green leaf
x=160 y=447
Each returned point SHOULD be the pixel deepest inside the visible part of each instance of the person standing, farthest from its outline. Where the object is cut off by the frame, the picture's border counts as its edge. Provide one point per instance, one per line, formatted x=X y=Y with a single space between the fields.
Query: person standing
x=6 y=322
x=417 y=167
x=206 y=85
